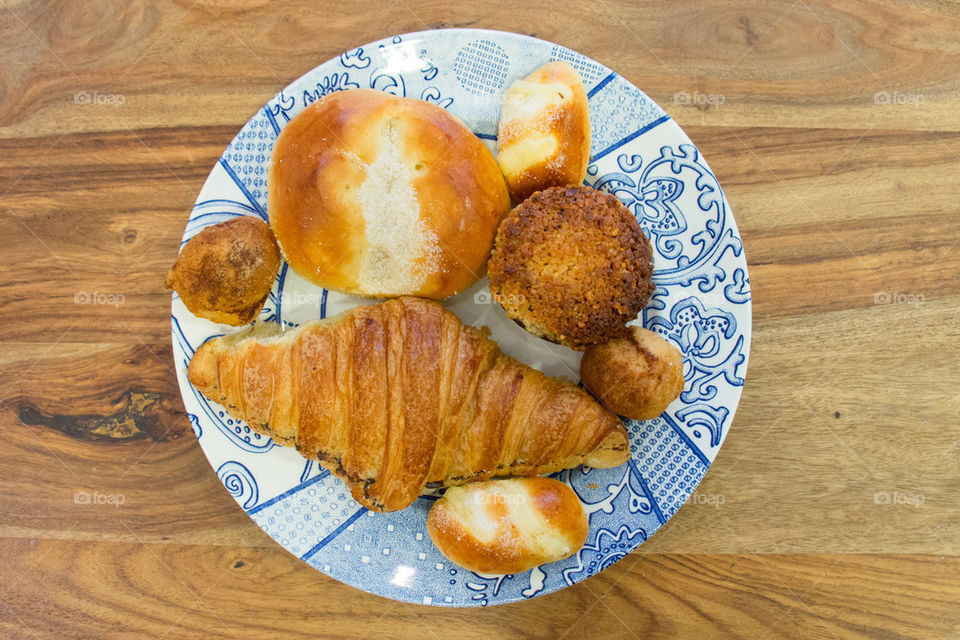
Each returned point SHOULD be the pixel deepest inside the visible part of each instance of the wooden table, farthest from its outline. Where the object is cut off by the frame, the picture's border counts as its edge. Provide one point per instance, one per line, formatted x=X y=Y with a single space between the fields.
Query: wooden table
x=835 y=131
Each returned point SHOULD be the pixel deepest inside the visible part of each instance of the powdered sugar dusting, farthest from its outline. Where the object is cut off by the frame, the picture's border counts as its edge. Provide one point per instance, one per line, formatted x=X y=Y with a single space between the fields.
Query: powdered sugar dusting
x=401 y=250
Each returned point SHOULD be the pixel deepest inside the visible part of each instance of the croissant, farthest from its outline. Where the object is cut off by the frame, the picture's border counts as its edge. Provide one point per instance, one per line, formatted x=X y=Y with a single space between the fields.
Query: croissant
x=401 y=395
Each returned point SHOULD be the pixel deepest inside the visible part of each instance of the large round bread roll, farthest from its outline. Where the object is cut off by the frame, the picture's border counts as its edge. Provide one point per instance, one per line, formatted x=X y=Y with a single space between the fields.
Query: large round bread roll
x=375 y=195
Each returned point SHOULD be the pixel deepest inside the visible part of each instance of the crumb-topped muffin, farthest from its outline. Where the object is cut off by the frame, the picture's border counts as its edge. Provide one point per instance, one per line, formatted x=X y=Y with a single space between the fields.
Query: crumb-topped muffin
x=571 y=265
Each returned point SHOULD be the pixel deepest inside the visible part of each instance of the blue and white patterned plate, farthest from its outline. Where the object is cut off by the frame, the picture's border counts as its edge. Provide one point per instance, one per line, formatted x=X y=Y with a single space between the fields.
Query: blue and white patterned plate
x=702 y=305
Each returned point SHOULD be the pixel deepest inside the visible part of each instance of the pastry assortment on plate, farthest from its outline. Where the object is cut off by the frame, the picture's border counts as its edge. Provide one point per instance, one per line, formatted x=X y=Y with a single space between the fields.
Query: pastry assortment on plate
x=386 y=197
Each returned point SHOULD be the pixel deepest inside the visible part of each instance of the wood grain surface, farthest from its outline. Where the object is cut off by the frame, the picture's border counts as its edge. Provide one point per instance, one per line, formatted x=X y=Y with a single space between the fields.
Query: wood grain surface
x=834 y=128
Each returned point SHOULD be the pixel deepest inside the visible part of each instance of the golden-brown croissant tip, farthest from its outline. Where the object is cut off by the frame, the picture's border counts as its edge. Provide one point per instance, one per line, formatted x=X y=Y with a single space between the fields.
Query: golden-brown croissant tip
x=202 y=372
x=613 y=451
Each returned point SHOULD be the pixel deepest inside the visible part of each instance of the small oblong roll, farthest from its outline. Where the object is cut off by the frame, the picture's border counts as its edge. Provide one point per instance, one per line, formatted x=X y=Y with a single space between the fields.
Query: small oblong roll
x=508 y=526
x=544 y=132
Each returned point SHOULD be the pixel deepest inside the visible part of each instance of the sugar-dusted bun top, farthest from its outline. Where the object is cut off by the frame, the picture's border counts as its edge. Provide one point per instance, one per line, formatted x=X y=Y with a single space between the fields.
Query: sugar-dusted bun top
x=375 y=195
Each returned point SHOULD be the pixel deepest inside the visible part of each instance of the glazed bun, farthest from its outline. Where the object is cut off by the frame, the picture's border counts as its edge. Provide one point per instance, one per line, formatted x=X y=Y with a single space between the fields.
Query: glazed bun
x=544 y=132
x=380 y=196
x=508 y=526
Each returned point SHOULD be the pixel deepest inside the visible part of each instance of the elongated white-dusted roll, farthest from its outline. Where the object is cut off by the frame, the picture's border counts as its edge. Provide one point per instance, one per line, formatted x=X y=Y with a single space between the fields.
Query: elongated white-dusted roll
x=544 y=132
x=508 y=526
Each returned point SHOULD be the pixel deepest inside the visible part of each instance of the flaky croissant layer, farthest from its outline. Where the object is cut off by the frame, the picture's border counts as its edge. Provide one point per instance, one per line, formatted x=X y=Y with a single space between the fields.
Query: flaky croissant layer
x=401 y=395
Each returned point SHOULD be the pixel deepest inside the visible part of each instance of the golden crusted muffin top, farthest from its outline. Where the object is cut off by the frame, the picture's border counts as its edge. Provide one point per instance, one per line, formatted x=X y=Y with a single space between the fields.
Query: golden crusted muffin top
x=572 y=265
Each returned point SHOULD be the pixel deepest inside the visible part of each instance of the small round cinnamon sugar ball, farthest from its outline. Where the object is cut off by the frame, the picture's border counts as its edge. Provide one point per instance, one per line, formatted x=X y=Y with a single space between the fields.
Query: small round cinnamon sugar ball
x=571 y=265
x=225 y=272
x=637 y=376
